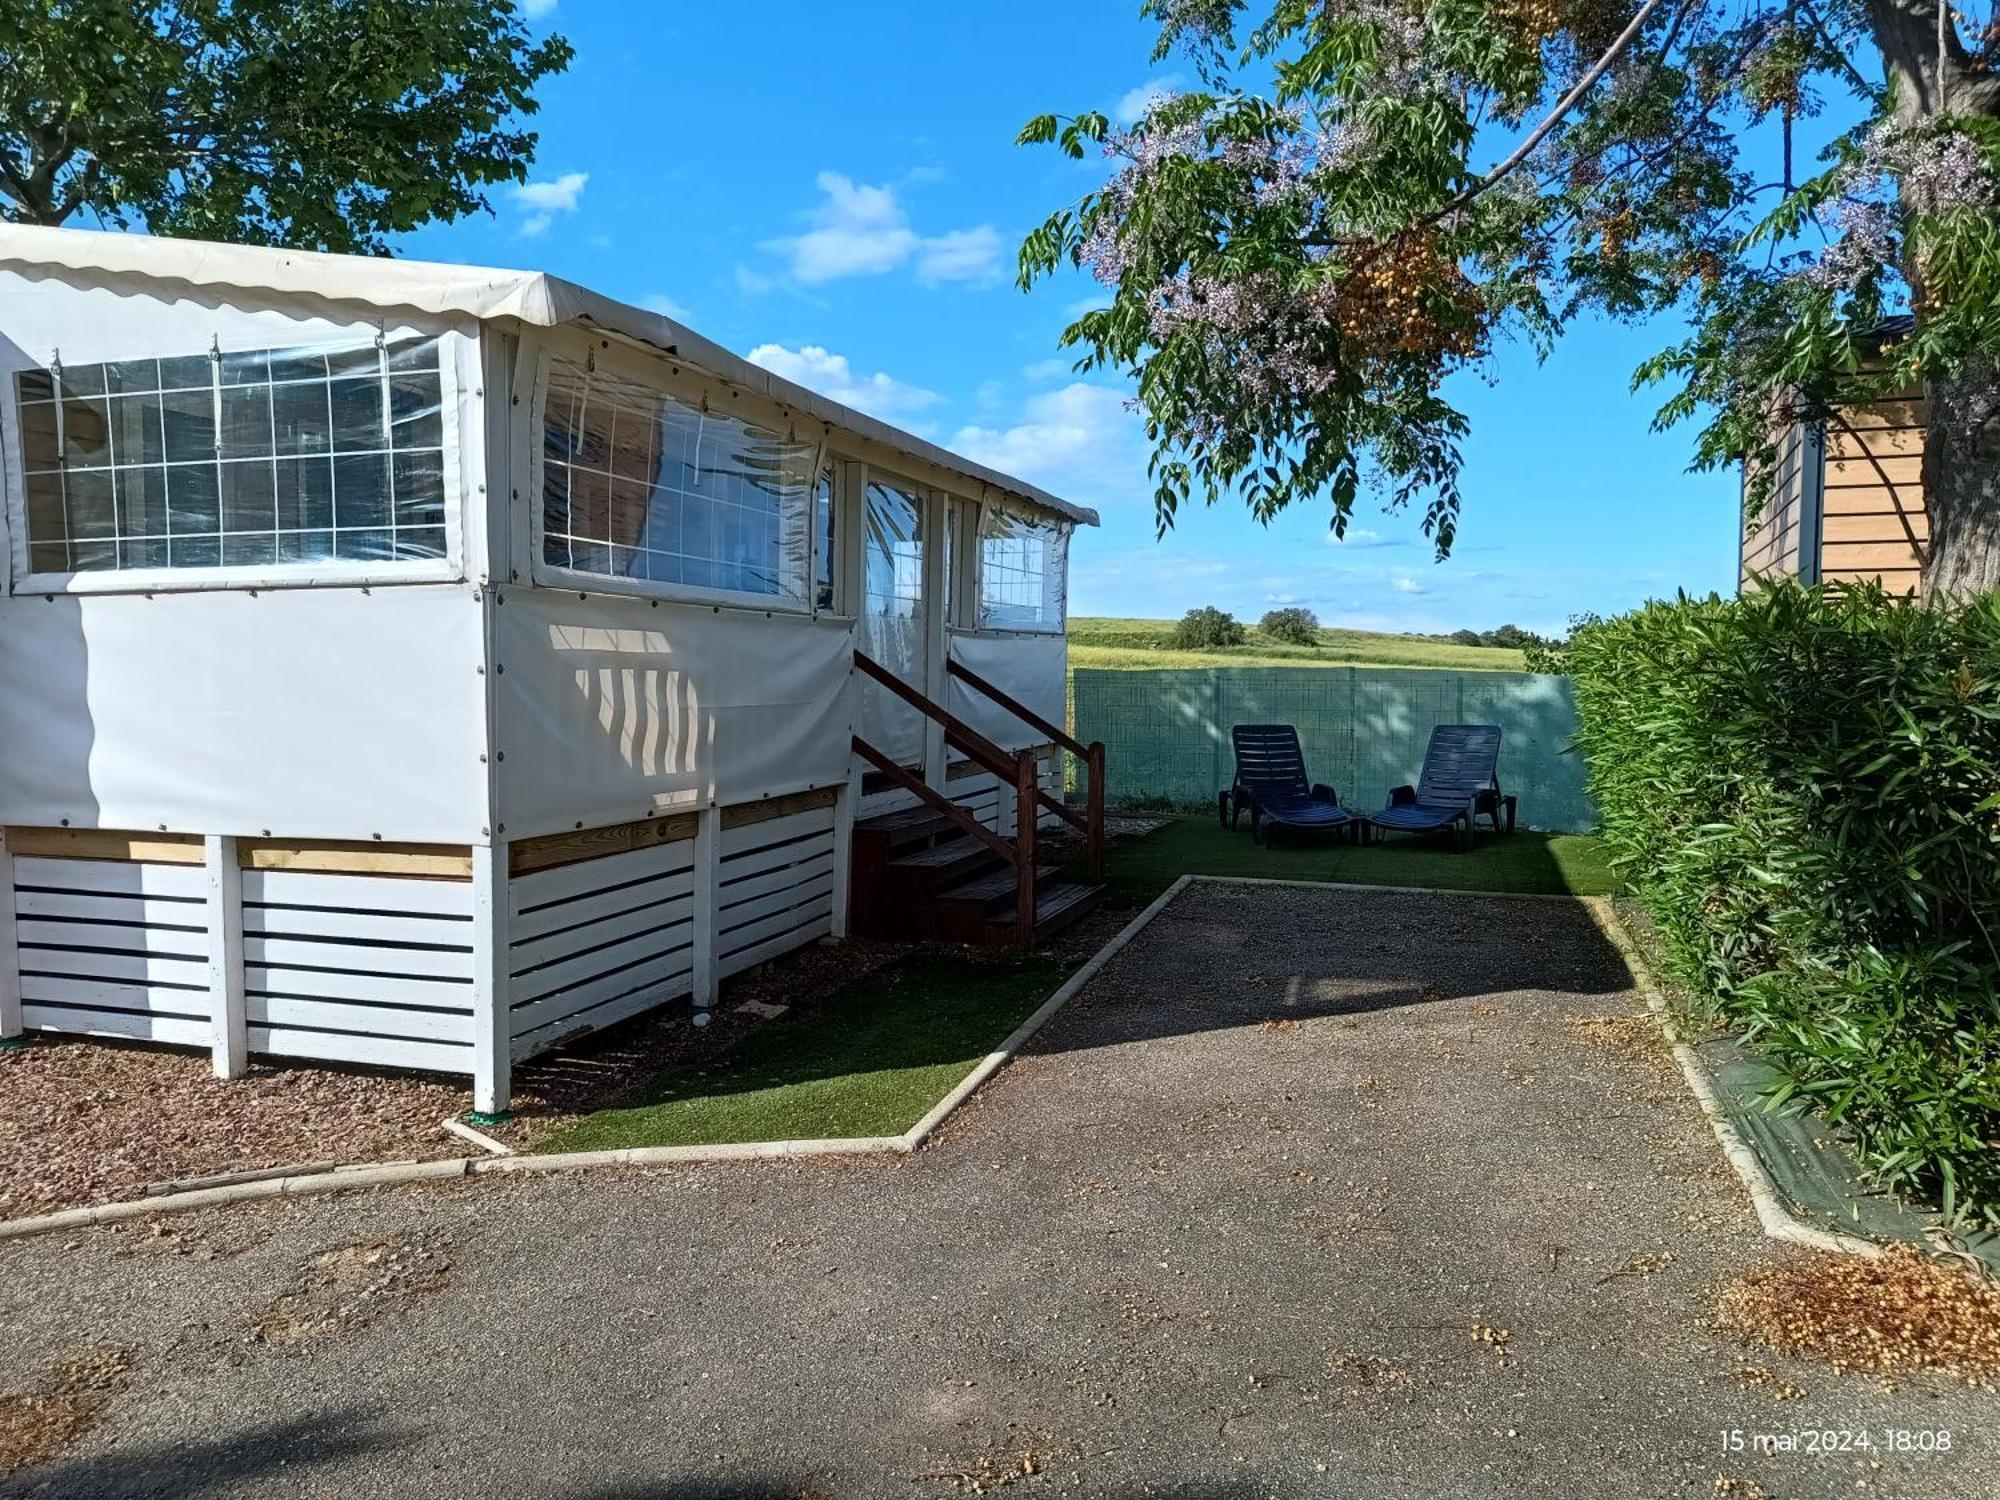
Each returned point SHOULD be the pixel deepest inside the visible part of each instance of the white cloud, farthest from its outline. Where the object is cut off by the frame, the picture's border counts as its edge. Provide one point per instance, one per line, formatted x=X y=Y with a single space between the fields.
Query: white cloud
x=1049 y=369
x=832 y=375
x=752 y=283
x=1132 y=106
x=1405 y=584
x=1080 y=442
x=961 y=255
x=540 y=202
x=534 y=10
x=1360 y=538
x=665 y=306
x=863 y=230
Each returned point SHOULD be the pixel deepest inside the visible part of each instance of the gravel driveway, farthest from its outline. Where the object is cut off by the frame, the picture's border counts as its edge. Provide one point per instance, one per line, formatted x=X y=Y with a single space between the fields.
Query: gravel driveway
x=1389 y=1199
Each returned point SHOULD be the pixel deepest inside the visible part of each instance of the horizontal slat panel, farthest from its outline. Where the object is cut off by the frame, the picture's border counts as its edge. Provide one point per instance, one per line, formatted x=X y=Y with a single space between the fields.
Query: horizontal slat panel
x=751 y=912
x=536 y=951
x=1896 y=581
x=386 y=1052
x=738 y=842
x=1868 y=555
x=664 y=972
x=1899 y=470
x=605 y=1013
x=356 y=926
x=143 y=910
x=37 y=932
x=771 y=948
x=755 y=861
x=735 y=893
x=366 y=1020
x=136 y=968
x=526 y=892
x=72 y=989
x=1883 y=442
x=112 y=876
x=1876 y=528
x=414 y=861
x=438 y=898
x=383 y=990
x=1875 y=502
x=751 y=933
x=352 y=957
x=561 y=975
x=107 y=844
x=1882 y=414
x=600 y=905
x=152 y=1028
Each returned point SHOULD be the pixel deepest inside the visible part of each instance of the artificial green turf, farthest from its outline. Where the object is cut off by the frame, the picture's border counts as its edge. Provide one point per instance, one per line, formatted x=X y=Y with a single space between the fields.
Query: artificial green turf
x=871 y=1061
x=1544 y=863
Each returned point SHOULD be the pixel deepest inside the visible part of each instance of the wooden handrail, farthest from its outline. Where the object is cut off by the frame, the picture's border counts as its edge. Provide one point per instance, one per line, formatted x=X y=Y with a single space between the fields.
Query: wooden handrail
x=1090 y=822
x=956 y=731
x=930 y=795
x=1017 y=708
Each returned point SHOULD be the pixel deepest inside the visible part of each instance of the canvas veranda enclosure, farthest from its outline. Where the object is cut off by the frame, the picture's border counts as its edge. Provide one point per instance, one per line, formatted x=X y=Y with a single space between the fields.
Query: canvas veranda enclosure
x=417 y=664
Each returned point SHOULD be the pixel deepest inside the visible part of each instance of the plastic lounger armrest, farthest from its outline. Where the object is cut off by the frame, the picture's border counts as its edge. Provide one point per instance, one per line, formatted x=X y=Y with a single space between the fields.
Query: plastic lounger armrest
x=1402 y=796
x=1324 y=793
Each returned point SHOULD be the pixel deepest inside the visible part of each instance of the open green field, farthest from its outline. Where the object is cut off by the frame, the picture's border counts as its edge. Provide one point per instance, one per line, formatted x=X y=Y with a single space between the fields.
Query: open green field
x=1138 y=645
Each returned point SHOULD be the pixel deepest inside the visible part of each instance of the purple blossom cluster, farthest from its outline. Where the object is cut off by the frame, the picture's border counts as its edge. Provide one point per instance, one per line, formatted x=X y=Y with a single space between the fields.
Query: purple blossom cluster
x=1931 y=169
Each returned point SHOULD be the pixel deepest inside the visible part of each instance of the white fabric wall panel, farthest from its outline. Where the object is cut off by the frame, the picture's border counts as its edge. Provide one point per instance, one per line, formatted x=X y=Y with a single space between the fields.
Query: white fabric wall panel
x=610 y=709
x=595 y=942
x=777 y=888
x=889 y=724
x=113 y=948
x=317 y=713
x=1032 y=668
x=359 y=968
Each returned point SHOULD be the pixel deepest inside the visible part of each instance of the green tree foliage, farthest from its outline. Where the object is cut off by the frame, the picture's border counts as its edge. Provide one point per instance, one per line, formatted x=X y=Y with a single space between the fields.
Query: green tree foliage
x=1295 y=626
x=1307 y=244
x=1208 y=629
x=321 y=124
x=1804 y=791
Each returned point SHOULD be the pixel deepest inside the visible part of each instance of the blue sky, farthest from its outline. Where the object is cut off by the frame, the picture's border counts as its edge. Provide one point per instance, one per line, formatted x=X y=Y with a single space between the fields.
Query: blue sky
x=835 y=192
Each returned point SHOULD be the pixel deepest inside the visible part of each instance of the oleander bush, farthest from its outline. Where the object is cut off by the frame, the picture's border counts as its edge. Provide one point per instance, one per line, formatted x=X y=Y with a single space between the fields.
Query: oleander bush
x=1803 y=789
x=1208 y=628
x=1295 y=626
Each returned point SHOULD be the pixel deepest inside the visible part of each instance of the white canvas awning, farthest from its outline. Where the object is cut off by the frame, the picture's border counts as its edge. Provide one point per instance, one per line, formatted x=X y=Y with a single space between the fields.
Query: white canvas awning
x=529 y=297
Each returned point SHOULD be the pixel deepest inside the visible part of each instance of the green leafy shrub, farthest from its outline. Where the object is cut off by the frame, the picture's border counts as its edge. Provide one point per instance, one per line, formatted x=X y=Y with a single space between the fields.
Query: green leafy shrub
x=1208 y=628
x=1804 y=791
x=1297 y=627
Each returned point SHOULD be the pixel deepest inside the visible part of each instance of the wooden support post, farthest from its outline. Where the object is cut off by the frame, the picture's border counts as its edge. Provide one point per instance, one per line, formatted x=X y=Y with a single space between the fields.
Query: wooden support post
x=227 y=1008
x=492 y=1017
x=707 y=880
x=1027 y=812
x=10 y=954
x=843 y=851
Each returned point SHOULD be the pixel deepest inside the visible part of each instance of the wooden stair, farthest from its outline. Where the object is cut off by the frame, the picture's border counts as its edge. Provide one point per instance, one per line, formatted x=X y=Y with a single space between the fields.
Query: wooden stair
x=934 y=871
x=917 y=875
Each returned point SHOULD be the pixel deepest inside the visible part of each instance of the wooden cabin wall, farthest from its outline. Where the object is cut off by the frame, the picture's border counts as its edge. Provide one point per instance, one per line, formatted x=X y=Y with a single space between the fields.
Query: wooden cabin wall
x=1774 y=539
x=1874 y=507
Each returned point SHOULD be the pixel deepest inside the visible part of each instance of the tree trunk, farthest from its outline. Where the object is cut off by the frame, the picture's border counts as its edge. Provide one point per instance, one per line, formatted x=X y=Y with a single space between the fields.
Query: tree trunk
x=1962 y=482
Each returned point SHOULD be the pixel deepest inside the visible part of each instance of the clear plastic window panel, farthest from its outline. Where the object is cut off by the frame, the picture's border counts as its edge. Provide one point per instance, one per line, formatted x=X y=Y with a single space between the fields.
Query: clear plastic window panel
x=1022 y=565
x=637 y=484
x=826 y=553
x=253 y=458
x=892 y=585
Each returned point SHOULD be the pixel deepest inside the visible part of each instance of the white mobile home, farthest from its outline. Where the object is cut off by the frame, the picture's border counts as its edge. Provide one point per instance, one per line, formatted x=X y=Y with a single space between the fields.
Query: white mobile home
x=422 y=665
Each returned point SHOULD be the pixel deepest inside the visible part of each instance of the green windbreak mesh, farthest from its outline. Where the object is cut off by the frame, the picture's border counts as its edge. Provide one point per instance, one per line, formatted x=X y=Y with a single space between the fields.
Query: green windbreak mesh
x=1363 y=729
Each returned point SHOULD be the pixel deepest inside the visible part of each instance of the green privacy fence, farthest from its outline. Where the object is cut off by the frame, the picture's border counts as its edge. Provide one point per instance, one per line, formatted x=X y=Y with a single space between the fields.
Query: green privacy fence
x=1166 y=733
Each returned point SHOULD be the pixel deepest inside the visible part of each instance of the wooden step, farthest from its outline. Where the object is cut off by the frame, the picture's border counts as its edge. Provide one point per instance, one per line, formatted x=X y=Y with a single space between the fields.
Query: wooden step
x=904 y=826
x=1058 y=905
x=945 y=863
x=995 y=889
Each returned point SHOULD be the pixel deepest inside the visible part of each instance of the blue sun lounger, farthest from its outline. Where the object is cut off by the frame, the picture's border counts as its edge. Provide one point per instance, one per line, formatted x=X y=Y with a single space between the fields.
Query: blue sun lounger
x=1460 y=781
x=1271 y=782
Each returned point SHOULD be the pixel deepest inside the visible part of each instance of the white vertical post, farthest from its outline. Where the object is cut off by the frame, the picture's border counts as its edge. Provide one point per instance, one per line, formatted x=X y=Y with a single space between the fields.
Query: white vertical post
x=845 y=798
x=492 y=1020
x=10 y=953
x=707 y=881
x=226 y=1006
